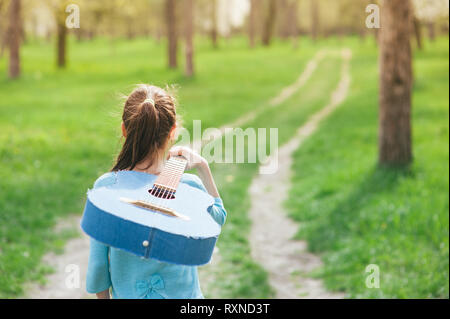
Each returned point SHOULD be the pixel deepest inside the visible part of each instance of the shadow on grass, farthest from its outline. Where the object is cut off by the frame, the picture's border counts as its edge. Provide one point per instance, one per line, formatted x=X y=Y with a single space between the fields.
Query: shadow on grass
x=348 y=215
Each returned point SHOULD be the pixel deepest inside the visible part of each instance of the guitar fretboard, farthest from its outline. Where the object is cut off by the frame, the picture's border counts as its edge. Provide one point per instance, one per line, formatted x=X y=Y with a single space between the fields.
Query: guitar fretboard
x=168 y=180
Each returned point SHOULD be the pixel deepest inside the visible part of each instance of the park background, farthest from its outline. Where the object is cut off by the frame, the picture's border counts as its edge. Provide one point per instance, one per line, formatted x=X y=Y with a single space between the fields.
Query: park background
x=353 y=200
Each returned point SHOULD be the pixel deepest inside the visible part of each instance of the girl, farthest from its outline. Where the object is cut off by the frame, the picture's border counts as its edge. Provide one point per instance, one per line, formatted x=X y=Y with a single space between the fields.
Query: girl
x=149 y=124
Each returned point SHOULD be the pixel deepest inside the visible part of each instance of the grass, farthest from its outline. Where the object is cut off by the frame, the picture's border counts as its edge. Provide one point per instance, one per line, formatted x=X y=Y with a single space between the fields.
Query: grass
x=355 y=213
x=239 y=275
x=59 y=131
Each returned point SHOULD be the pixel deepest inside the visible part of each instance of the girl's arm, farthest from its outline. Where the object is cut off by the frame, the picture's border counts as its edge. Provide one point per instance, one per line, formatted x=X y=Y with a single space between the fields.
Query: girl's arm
x=206 y=183
x=98 y=279
x=205 y=175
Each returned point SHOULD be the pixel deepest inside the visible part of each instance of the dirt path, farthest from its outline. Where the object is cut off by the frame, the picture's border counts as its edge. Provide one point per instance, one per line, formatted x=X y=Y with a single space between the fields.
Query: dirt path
x=286 y=260
x=77 y=250
x=285 y=93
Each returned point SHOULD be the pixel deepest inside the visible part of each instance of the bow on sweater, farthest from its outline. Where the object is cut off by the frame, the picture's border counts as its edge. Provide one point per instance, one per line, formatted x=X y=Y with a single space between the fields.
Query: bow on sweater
x=152 y=288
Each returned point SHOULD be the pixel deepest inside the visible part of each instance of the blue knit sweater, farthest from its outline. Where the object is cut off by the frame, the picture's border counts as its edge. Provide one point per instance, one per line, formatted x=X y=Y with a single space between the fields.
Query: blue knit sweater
x=132 y=277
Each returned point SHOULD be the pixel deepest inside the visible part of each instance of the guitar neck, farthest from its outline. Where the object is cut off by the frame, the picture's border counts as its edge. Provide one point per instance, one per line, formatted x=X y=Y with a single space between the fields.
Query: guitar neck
x=171 y=174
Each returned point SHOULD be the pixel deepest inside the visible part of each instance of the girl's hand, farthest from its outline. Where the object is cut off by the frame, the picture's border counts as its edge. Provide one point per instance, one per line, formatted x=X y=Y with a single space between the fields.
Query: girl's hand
x=194 y=160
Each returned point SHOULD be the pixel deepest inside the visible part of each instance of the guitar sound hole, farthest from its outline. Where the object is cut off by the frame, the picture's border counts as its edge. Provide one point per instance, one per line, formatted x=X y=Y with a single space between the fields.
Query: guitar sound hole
x=161 y=193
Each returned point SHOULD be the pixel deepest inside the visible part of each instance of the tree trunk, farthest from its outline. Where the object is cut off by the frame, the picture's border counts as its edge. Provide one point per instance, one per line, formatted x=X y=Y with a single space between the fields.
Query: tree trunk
x=3 y=40
x=15 y=27
x=418 y=33
x=314 y=19
x=293 y=8
x=189 y=35
x=171 y=33
x=79 y=34
x=395 y=83
x=252 y=23
x=284 y=24
x=431 y=30
x=269 y=22
x=214 y=32
x=61 y=44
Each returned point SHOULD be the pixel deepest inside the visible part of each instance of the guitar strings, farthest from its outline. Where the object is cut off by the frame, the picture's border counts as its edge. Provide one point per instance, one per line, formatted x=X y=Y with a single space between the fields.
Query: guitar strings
x=174 y=172
x=175 y=177
x=167 y=182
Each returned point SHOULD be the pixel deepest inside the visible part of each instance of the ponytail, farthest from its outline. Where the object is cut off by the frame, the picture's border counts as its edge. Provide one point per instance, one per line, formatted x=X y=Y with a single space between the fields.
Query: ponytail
x=149 y=115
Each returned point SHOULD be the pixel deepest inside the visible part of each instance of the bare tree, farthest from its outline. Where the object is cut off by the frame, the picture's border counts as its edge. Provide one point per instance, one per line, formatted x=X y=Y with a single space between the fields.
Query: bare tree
x=395 y=83
x=314 y=19
x=431 y=30
x=269 y=22
x=189 y=35
x=293 y=18
x=2 y=29
x=287 y=20
x=252 y=22
x=14 y=38
x=61 y=30
x=172 y=36
x=214 y=32
x=283 y=23
x=429 y=13
x=418 y=32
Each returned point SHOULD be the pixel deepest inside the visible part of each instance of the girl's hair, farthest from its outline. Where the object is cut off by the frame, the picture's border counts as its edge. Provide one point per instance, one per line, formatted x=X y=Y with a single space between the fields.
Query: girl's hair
x=148 y=115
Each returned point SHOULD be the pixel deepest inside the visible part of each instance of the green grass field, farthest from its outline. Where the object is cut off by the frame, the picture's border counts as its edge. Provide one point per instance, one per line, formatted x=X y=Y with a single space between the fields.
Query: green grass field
x=239 y=276
x=355 y=213
x=60 y=130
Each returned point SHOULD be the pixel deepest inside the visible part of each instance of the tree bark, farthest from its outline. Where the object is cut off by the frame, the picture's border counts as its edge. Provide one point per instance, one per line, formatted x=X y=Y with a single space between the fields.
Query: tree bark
x=14 y=33
x=284 y=24
x=214 y=32
x=189 y=36
x=395 y=83
x=314 y=19
x=431 y=30
x=269 y=22
x=61 y=44
x=418 y=33
x=252 y=23
x=171 y=33
x=294 y=22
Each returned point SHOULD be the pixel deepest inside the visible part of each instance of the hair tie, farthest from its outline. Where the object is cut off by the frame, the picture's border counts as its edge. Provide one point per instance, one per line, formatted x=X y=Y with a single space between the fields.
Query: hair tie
x=150 y=100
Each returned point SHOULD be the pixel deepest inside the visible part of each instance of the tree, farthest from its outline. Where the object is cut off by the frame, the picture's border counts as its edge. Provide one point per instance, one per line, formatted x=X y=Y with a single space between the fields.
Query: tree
x=3 y=42
x=293 y=18
x=269 y=22
x=429 y=12
x=58 y=8
x=61 y=42
x=431 y=30
x=395 y=83
x=418 y=32
x=252 y=22
x=172 y=36
x=314 y=19
x=287 y=20
x=214 y=32
x=284 y=23
x=189 y=35
x=14 y=38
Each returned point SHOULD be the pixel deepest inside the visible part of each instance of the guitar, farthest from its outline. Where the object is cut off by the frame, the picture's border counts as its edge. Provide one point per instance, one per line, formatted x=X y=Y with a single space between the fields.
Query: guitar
x=158 y=217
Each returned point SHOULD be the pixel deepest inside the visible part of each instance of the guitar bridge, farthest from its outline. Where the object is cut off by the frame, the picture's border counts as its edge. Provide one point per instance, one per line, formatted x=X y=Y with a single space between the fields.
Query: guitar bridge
x=155 y=208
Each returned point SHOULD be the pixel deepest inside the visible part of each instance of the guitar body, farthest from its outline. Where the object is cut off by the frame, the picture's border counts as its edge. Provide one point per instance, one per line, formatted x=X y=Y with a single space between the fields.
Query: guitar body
x=186 y=239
